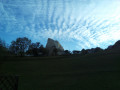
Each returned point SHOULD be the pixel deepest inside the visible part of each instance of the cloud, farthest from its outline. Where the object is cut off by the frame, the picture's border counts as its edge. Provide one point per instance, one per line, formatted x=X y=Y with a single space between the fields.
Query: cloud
x=86 y=23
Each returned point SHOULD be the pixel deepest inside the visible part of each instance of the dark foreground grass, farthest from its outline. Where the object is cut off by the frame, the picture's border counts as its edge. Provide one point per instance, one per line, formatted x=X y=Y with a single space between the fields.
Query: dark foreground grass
x=92 y=72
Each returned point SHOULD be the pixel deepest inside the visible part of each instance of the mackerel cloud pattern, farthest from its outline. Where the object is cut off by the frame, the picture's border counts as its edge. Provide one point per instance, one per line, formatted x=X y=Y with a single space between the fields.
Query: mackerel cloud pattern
x=85 y=23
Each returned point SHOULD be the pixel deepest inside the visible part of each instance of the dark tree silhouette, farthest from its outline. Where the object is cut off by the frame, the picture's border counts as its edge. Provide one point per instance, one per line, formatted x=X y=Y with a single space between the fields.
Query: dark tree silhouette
x=83 y=52
x=76 y=52
x=98 y=49
x=20 y=46
x=67 y=52
x=2 y=43
x=34 y=49
x=3 y=48
x=43 y=50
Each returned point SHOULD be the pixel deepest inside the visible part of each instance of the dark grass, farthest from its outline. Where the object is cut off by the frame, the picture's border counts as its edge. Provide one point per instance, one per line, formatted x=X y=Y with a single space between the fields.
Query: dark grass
x=89 y=72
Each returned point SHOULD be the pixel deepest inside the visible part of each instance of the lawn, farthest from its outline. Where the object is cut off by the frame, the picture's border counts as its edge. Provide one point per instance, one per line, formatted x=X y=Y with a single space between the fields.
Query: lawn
x=89 y=72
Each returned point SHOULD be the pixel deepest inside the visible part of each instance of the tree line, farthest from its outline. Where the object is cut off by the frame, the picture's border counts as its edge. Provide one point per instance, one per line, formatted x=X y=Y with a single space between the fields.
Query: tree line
x=22 y=47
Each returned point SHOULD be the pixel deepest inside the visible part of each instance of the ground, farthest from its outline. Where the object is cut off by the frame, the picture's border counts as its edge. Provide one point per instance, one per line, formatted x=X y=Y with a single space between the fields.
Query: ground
x=89 y=72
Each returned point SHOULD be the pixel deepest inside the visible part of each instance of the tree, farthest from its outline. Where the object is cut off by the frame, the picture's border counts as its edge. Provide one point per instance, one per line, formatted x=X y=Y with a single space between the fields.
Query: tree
x=98 y=49
x=2 y=43
x=20 y=46
x=34 y=49
x=3 y=48
x=83 y=52
x=43 y=50
x=14 y=48
x=76 y=52
x=67 y=52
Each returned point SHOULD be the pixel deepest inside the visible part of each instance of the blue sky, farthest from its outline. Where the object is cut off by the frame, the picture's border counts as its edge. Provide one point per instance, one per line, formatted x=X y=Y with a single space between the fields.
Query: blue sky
x=76 y=24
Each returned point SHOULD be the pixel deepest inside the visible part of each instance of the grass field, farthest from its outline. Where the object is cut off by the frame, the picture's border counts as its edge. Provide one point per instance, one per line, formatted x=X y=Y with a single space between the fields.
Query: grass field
x=90 y=72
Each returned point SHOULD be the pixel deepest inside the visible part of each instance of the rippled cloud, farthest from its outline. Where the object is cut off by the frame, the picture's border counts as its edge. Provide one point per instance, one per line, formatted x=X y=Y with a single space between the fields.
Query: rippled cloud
x=77 y=23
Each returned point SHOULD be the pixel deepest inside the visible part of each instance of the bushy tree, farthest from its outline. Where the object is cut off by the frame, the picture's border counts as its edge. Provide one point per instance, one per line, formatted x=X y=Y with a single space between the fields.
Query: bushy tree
x=67 y=52
x=76 y=52
x=98 y=49
x=83 y=52
x=34 y=49
x=20 y=46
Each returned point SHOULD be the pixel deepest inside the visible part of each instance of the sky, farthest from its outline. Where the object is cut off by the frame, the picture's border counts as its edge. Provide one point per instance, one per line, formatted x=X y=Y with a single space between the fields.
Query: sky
x=76 y=24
